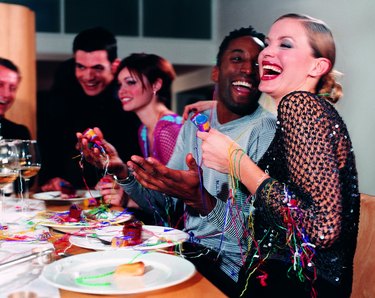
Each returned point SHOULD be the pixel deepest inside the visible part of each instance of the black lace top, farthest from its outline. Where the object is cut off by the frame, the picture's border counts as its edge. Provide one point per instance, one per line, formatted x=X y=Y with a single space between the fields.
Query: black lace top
x=307 y=213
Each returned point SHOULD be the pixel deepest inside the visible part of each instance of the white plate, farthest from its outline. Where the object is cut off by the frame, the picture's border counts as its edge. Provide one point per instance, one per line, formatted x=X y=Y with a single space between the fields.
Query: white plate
x=161 y=271
x=56 y=196
x=154 y=237
x=72 y=227
x=21 y=233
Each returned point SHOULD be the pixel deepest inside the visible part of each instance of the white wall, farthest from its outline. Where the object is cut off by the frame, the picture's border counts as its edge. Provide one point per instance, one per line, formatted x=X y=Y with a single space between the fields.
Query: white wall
x=353 y=26
x=177 y=51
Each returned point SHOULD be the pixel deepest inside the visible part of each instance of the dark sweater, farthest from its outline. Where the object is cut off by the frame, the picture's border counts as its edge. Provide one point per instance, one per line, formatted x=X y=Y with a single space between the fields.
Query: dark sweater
x=67 y=110
x=12 y=130
x=312 y=168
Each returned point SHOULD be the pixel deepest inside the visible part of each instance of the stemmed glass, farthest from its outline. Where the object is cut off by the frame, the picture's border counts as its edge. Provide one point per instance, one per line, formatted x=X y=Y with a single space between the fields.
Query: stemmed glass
x=29 y=161
x=9 y=165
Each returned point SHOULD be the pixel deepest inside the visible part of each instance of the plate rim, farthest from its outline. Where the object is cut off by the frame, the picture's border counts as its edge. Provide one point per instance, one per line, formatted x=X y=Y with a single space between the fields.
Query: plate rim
x=36 y=196
x=138 y=247
x=47 y=272
x=127 y=217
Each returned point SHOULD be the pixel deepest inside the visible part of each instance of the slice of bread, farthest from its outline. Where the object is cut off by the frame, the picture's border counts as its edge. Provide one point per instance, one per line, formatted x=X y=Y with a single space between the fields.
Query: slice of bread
x=132 y=269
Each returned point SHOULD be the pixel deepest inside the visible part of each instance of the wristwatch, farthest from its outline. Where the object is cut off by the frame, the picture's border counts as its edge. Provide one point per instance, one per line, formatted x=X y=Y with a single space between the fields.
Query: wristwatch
x=127 y=180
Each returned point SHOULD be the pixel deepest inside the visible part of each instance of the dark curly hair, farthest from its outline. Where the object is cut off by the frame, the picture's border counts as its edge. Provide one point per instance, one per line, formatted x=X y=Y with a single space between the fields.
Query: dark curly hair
x=249 y=31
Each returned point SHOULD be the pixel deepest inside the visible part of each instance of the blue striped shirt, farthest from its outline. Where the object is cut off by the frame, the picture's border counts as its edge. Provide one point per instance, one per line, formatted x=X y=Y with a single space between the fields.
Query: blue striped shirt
x=224 y=228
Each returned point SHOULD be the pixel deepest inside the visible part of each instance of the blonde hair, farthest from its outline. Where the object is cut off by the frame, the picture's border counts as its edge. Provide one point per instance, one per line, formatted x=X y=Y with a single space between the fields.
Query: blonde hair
x=323 y=45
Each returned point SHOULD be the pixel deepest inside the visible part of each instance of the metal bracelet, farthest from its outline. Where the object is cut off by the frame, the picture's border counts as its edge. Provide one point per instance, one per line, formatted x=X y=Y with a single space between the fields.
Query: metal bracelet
x=127 y=180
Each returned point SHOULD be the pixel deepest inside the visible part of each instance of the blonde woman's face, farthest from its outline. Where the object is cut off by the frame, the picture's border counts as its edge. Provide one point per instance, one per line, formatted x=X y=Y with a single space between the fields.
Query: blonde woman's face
x=286 y=63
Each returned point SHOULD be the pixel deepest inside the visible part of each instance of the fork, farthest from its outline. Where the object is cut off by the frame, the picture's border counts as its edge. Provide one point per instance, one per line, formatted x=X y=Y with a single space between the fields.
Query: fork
x=94 y=236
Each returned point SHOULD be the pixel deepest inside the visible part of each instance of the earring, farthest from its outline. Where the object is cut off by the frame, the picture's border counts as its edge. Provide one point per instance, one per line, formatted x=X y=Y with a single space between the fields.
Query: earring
x=154 y=92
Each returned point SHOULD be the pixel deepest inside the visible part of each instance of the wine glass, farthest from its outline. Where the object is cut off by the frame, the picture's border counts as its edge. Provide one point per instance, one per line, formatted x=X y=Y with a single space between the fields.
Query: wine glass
x=9 y=164
x=29 y=161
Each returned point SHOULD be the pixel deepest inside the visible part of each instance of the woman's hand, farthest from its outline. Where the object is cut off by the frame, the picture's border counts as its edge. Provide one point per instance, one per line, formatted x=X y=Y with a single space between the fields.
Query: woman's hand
x=53 y=184
x=218 y=150
x=198 y=106
x=108 y=159
x=111 y=192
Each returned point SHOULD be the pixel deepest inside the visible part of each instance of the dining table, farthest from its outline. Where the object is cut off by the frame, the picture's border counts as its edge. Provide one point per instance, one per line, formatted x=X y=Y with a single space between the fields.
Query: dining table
x=195 y=286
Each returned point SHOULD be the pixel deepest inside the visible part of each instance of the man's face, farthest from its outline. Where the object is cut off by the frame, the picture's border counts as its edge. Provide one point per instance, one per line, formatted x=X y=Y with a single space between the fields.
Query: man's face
x=9 y=81
x=237 y=76
x=93 y=71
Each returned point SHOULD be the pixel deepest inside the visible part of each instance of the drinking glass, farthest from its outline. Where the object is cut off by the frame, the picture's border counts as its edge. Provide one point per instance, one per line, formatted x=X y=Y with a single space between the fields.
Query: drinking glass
x=29 y=165
x=9 y=164
x=29 y=161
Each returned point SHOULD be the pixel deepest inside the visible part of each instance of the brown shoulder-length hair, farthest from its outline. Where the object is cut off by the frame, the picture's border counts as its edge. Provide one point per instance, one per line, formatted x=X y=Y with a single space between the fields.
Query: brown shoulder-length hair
x=152 y=67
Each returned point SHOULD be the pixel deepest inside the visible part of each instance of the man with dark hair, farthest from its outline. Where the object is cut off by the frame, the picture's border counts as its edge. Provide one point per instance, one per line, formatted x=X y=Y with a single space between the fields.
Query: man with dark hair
x=216 y=208
x=10 y=79
x=83 y=95
x=92 y=39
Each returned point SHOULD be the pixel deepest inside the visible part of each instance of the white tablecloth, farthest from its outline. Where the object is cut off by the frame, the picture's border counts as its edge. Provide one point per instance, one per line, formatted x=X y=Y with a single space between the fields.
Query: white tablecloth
x=23 y=277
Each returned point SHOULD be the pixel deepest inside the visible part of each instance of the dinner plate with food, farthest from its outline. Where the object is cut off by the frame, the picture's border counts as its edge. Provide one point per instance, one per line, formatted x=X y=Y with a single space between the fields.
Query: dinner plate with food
x=76 y=219
x=78 y=195
x=118 y=272
x=129 y=237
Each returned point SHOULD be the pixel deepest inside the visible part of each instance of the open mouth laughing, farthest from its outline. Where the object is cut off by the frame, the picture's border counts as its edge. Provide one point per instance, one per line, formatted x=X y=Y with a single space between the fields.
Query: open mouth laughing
x=243 y=86
x=3 y=101
x=270 y=71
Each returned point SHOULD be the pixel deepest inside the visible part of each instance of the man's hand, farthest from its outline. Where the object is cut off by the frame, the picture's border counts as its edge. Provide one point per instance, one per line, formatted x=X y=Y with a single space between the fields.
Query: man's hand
x=198 y=106
x=184 y=185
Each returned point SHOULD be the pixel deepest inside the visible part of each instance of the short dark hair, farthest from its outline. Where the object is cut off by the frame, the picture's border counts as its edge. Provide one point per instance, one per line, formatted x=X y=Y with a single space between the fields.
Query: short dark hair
x=9 y=64
x=153 y=67
x=96 y=39
x=249 y=31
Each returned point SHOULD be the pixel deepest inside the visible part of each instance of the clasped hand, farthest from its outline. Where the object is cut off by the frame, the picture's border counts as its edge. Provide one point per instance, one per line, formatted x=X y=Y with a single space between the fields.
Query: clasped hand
x=217 y=150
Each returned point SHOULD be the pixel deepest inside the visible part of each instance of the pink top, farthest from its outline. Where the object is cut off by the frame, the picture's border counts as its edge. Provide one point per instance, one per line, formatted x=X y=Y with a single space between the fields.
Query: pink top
x=165 y=137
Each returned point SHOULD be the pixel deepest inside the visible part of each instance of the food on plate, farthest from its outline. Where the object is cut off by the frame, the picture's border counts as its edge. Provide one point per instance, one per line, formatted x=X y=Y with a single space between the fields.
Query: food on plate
x=131 y=235
x=133 y=230
x=67 y=190
x=122 y=241
x=75 y=213
x=97 y=217
x=132 y=269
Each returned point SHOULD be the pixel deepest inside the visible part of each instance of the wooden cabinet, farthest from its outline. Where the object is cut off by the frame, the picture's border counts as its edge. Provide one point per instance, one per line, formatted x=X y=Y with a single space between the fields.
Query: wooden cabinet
x=17 y=43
